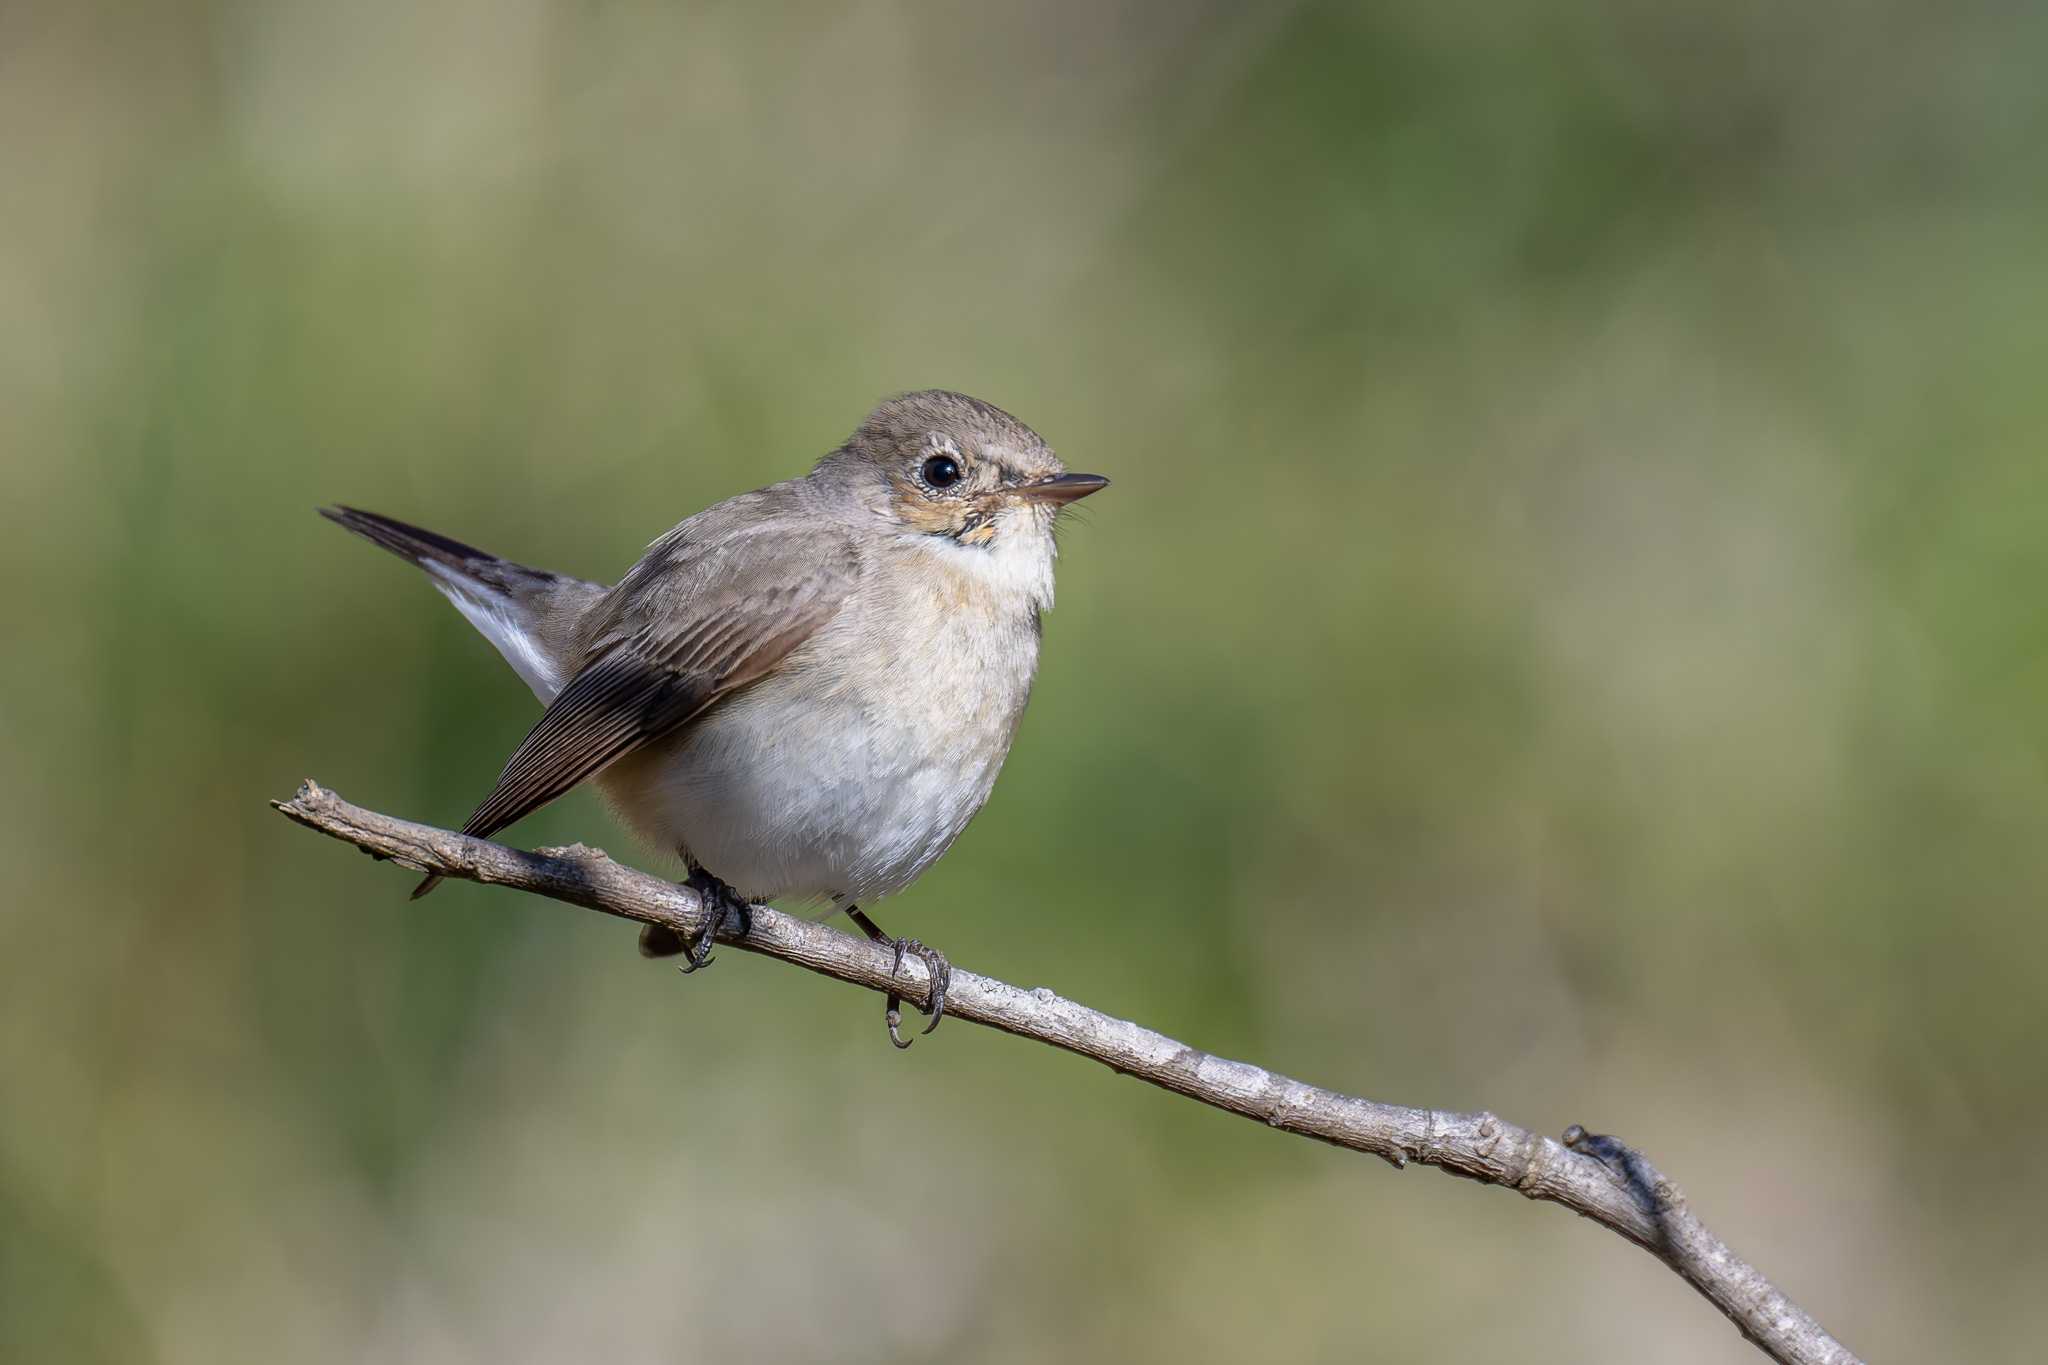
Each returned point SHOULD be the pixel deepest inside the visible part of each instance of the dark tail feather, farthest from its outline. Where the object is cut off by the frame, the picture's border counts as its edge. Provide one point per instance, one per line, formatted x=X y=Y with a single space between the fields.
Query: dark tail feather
x=488 y=578
x=405 y=540
x=421 y=546
x=658 y=940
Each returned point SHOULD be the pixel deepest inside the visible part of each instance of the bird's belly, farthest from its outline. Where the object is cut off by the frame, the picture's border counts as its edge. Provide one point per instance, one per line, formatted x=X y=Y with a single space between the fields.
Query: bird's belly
x=810 y=792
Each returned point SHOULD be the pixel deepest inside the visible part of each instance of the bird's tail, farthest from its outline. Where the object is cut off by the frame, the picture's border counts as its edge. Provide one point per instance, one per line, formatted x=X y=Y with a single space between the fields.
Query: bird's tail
x=416 y=543
x=527 y=614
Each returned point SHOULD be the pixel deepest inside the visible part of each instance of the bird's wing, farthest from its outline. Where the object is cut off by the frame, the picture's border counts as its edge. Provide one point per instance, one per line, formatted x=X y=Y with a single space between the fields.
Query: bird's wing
x=714 y=605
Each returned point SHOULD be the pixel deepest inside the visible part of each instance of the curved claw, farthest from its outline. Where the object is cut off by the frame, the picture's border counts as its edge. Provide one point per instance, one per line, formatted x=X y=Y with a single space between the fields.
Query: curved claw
x=697 y=951
x=942 y=977
x=941 y=972
x=721 y=900
x=893 y=1017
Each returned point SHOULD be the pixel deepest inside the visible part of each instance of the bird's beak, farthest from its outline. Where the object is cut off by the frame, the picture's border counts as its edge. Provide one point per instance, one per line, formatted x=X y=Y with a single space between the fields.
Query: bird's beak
x=1062 y=488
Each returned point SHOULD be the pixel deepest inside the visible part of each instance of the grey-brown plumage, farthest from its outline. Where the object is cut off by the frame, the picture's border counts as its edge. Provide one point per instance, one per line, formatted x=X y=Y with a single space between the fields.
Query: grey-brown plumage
x=806 y=690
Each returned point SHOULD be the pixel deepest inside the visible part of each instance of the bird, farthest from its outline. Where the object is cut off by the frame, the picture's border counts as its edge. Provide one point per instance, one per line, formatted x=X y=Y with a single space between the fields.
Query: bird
x=805 y=692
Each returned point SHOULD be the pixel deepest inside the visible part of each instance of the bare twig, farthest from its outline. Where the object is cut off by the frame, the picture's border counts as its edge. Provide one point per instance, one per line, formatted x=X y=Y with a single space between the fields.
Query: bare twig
x=1596 y=1177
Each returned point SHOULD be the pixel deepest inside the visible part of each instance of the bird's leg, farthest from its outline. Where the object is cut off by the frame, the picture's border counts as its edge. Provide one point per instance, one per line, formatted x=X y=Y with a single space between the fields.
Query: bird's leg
x=658 y=940
x=934 y=962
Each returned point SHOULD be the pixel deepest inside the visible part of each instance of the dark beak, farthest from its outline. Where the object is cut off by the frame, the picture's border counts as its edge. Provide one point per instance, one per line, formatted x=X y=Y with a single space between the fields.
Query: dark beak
x=1063 y=487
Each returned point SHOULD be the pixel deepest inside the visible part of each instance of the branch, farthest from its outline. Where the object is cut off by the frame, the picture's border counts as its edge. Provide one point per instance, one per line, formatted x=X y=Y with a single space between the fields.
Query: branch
x=1599 y=1178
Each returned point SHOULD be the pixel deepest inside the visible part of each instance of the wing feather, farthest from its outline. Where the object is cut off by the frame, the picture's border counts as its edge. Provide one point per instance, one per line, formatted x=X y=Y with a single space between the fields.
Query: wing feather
x=690 y=625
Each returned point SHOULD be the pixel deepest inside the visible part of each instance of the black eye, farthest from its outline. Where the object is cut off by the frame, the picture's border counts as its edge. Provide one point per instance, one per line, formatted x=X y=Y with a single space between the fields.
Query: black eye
x=941 y=471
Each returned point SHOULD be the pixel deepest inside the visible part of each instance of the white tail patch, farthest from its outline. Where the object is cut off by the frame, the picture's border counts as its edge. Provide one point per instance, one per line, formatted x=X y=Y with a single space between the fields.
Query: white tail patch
x=498 y=620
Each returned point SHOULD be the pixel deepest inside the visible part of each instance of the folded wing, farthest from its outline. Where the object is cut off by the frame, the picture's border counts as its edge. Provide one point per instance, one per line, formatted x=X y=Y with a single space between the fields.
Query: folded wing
x=710 y=609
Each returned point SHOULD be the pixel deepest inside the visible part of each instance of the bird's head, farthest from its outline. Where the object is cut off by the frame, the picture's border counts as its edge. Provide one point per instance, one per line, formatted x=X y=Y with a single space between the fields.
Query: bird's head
x=962 y=471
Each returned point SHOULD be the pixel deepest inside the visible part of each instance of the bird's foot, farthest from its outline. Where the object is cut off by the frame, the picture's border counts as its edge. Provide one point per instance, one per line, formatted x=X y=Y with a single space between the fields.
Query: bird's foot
x=935 y=964
x=726 y=906
x=935 y=1002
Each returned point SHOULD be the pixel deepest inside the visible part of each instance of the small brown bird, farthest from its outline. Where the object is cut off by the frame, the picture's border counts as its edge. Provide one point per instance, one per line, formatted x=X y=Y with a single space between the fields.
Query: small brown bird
x=805 y=691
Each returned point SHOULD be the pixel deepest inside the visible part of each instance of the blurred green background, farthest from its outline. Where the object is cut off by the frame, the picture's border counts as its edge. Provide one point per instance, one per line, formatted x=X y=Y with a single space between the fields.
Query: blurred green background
x=1568 y=636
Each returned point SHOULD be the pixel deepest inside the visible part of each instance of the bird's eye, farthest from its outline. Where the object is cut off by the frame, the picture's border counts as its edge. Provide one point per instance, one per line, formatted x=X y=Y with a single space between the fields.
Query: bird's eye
x=941 y=471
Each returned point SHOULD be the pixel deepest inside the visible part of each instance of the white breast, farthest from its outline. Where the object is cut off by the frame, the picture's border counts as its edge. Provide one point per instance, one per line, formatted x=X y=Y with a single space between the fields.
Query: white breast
x=848 y=772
